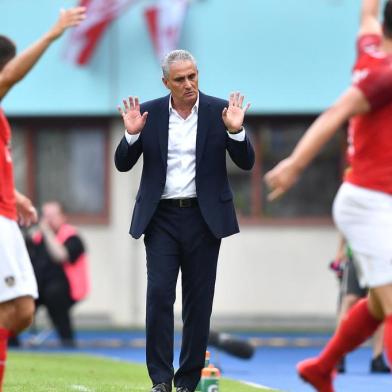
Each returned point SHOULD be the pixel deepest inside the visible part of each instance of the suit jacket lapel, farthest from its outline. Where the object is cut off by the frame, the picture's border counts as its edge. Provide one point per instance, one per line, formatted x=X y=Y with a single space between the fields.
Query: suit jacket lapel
x=163 y=127
x=202 y=126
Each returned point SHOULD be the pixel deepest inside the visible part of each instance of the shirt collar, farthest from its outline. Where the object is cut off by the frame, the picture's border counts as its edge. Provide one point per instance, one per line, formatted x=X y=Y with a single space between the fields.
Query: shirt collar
x=195 y=106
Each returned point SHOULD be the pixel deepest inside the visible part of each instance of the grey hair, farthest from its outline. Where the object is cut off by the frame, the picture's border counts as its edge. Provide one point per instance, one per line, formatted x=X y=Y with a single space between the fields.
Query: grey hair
x=174 y=56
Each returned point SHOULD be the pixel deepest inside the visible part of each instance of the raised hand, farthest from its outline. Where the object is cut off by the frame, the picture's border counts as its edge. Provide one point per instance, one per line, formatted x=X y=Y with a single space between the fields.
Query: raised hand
x=134 y=121
x=68 y=18
x=281 y=178
x=27 y=214
x=233 y=116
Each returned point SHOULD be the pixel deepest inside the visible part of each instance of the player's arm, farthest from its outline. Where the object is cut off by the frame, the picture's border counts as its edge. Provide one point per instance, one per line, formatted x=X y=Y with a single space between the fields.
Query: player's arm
x=369 y=22
x=284 y=175
x=27 y=214
x=20 y=65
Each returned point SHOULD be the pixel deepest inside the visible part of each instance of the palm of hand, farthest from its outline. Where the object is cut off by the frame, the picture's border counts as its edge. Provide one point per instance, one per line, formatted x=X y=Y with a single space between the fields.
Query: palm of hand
x=133 y=121
x=68 y=18
x=234 y=117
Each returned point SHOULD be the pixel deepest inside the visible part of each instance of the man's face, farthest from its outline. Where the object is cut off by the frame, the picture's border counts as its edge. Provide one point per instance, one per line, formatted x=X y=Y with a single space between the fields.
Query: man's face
x=183 y=82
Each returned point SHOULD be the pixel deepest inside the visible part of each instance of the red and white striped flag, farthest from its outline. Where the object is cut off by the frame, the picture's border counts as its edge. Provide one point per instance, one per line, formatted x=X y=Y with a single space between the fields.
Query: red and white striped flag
x=164 y=21
x=84 y=38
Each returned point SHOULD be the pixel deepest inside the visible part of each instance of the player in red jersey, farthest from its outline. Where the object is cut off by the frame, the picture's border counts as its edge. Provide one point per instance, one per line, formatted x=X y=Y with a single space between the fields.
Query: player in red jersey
x=17 y=282
x=363 y=206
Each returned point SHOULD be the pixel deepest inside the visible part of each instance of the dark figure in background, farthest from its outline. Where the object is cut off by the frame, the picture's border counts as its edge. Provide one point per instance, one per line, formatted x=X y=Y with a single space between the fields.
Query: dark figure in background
x=230 y=344
x=60 y=266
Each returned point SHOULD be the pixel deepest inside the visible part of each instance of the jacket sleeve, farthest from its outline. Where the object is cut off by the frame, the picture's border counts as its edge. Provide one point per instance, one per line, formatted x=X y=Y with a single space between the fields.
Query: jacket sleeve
x=126 y=156
x=241 y=153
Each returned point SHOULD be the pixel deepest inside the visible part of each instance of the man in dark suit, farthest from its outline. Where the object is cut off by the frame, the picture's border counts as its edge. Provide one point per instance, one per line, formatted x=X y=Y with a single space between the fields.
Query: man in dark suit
x=184 y=207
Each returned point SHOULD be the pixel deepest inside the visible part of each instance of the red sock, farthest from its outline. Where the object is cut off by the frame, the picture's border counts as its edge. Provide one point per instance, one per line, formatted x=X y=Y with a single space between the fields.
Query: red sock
x=357 y=326
x=4 y=335
x=388 y=338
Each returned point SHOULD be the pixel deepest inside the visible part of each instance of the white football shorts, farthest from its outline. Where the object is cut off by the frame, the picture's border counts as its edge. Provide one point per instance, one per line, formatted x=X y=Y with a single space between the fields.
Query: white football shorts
x=364 y=217
x=16 y=272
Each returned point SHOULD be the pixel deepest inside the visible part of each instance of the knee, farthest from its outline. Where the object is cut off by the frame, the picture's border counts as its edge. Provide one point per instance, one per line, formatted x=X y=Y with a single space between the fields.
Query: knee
x=17 y=314
x=24 y=314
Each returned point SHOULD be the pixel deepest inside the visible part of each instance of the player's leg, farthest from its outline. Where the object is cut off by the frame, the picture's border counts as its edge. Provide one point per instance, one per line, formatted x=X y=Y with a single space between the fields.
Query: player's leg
x=351 y=293
x=358 y=325
x=377 y=364
x=18 y=287
x=348 y=301
x=15 y=316
x=384 y=295
x=358 y=216
x=354 y=292
x=378 y=342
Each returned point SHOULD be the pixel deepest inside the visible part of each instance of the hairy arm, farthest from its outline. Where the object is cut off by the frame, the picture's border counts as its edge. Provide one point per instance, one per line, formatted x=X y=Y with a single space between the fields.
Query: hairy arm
x=369 y=23
x=283 y=176
x=20 y=65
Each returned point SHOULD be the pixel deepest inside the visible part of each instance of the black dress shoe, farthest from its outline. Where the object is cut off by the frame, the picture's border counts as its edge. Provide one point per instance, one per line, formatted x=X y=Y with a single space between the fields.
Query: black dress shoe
x=161 y=387
x=183 y=389
x=378 y=365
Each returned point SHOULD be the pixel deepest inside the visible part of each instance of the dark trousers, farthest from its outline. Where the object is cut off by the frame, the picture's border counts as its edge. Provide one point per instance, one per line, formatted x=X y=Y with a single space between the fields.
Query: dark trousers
x=55 y=297
x=178 y=238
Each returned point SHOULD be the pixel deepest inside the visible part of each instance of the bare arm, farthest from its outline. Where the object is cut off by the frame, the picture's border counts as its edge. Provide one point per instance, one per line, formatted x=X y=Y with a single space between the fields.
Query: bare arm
x=369 y=23
x=20 y=65
x=351 y=103
x=284 y=175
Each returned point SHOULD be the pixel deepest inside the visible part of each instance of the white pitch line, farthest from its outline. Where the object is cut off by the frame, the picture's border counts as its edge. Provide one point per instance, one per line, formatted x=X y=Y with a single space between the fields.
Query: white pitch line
x=259 y=386
x=81 y=388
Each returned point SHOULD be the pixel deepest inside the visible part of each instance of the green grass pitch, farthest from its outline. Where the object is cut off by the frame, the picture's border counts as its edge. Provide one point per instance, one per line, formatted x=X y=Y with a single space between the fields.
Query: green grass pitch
x=34 y=372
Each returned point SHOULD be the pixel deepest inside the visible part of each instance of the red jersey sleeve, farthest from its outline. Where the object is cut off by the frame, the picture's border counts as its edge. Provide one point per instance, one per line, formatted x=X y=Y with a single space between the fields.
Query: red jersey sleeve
x=367 y=42
x=376 y=85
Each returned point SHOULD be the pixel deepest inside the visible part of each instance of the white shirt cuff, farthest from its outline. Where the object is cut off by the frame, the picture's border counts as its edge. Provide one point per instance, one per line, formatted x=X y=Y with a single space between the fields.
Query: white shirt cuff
x=131 y=138
x=239 y=137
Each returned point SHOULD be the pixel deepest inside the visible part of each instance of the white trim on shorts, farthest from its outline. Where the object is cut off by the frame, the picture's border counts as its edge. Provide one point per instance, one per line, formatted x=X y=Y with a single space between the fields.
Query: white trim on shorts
x=16 y=272
x=364 y=217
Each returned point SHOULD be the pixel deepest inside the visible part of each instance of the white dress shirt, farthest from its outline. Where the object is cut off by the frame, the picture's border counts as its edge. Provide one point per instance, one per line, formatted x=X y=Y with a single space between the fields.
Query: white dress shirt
x=181 y=153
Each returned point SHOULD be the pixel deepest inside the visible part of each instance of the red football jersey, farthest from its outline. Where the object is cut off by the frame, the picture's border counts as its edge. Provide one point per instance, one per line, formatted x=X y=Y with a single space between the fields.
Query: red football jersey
x=7 y=195
x=370 y=135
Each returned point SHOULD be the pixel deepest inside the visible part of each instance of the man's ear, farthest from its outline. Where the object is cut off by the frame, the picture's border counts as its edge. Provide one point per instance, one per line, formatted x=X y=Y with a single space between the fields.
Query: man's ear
x=164 y=81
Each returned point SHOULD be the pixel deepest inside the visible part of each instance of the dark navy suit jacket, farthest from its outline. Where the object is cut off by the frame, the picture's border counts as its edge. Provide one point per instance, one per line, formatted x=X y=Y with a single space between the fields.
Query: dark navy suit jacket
x=214 y=195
